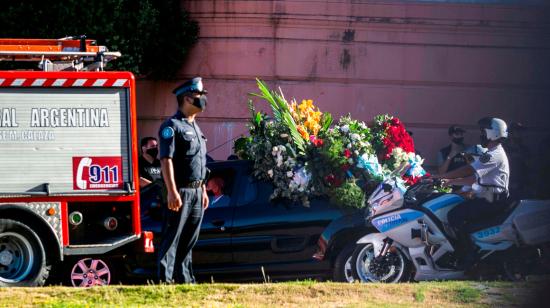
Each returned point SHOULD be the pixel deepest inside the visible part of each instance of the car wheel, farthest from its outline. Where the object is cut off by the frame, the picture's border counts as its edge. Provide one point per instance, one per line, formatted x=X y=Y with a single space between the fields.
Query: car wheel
x=343 y=271
x=22 y=256
x=89 y=272
x=394 y=267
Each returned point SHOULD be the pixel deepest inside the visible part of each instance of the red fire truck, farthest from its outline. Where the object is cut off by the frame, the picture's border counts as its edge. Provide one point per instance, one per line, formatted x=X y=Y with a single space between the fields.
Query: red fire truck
x=69 y=193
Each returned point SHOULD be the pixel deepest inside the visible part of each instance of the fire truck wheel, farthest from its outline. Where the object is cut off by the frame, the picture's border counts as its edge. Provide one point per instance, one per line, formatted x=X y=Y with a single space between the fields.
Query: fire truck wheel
x=22 y=256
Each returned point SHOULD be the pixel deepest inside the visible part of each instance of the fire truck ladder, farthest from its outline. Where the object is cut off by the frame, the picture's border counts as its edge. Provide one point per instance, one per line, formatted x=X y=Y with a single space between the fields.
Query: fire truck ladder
x=65 y=54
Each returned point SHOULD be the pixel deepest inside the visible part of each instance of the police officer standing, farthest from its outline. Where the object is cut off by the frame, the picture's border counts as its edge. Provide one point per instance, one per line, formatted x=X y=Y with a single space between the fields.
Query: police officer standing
x=489 y=177
x=183 y=161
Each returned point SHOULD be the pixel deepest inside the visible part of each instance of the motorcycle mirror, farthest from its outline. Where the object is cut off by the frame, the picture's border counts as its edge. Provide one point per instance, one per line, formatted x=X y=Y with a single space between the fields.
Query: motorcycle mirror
x=387 y=187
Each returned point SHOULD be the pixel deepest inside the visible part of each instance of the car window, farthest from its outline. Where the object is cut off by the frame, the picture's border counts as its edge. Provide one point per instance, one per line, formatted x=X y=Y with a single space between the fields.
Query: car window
x=250 y=192
x=220 y=187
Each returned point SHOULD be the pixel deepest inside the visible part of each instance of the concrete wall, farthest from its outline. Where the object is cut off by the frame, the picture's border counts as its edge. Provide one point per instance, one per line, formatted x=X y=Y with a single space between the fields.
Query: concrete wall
x=431 y=64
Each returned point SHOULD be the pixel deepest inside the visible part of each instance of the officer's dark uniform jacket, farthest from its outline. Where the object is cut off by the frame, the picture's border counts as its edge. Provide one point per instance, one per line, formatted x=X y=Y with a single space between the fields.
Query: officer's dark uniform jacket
x=185 y=143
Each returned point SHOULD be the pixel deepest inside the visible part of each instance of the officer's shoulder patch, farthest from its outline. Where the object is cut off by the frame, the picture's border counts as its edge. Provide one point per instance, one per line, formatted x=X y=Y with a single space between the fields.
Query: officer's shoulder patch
x=167 y=132
x=485 y=158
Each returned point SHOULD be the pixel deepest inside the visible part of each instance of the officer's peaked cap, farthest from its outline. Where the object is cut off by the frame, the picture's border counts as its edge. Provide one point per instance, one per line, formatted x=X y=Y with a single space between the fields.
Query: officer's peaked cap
x=191 y=86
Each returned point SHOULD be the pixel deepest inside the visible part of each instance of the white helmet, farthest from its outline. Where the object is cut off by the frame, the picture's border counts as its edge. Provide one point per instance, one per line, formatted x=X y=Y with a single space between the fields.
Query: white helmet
x=495 y=128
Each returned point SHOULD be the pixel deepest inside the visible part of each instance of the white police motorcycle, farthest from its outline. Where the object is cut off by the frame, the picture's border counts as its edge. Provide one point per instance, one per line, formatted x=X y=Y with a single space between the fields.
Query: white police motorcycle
x=415 y=241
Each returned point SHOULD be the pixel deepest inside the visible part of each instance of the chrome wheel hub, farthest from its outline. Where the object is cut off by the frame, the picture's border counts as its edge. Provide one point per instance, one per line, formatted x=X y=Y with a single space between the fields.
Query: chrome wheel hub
x=6 y=258
x=16 y=257
x=90 y=272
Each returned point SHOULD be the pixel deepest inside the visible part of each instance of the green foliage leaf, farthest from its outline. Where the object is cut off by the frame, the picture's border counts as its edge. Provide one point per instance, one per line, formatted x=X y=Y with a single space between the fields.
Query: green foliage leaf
x=349 y=194
x=326 y=122
x=281 y=112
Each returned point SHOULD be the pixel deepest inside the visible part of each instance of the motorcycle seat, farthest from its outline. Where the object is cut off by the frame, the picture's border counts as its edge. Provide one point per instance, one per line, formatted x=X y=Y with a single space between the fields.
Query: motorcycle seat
x=507 y=208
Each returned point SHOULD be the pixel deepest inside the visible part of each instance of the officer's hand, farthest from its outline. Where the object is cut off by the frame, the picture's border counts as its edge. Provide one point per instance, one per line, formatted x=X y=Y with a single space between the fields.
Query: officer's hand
x=446 y=182
x=205 y=200
x=174 y=201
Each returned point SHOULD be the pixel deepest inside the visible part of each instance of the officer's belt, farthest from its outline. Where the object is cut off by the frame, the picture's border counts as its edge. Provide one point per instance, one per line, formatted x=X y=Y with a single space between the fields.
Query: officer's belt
x=192 y=184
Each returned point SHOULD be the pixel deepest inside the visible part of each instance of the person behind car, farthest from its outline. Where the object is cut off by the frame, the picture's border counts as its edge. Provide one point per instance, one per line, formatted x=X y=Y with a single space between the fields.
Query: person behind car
x=149 y=165
x=216 y=186
x=450 y=157
x=489 y=177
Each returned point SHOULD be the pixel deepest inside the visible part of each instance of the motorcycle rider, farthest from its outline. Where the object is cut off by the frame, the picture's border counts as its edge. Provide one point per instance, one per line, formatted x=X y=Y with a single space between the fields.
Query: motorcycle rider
x=489 y=176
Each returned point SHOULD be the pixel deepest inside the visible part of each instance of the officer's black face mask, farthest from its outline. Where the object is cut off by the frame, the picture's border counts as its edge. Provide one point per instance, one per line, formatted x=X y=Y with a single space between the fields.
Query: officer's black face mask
x=458 y=140
x=200 y=102
x=153 y=152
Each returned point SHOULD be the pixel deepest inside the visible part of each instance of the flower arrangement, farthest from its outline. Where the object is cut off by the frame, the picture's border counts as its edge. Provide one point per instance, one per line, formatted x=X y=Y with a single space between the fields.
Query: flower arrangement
x=336 y=162
x=395 y=147
x=303 y=154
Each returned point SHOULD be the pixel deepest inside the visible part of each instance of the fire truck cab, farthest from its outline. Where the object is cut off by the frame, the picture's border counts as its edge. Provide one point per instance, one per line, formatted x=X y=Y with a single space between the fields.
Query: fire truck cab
x=69 y=183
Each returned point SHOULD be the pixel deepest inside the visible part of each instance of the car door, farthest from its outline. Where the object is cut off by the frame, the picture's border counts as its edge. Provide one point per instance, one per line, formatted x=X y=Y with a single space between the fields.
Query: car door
x=213 y=249
x=275 y=235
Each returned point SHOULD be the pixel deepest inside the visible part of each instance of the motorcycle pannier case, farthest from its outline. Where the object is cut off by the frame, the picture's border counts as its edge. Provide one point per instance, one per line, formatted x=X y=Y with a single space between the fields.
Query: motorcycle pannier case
x=533 y=222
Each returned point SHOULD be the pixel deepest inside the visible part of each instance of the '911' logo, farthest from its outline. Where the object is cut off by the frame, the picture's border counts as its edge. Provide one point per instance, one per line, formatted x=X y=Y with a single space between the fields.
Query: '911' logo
x=97 y=173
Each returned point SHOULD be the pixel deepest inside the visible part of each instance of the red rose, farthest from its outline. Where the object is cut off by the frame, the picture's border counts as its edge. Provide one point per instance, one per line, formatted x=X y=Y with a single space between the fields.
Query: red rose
x=347 y=153
x=318 y=142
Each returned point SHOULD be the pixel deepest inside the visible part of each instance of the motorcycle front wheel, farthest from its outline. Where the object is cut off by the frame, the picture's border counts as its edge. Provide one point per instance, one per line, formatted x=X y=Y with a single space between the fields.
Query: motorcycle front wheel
x=391 y=268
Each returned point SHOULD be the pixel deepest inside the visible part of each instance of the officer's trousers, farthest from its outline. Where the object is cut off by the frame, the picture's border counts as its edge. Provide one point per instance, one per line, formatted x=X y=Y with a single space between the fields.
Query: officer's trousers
x=467 y=213
x=180 y=234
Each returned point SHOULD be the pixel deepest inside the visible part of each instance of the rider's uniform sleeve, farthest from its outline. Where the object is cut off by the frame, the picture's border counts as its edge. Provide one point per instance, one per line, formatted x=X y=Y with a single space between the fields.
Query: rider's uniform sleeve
x=484 y=165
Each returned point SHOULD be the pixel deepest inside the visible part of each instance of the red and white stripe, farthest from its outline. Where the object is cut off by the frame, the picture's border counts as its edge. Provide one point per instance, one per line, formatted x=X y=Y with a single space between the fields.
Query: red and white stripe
x=63 y=82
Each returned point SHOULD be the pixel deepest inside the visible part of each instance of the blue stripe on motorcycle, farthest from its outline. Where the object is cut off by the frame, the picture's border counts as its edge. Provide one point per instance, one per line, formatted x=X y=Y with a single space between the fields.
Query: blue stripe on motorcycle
x=443 y=201
x=388 y=222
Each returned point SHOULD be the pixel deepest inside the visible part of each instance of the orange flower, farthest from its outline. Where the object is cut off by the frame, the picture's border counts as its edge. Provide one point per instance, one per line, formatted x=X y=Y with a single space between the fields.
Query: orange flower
x=302 y=132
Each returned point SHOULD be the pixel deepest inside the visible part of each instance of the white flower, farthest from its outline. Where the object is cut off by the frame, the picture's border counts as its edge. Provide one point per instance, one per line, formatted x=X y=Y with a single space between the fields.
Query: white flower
x=345 y=128
x=355 y=136
x=356 y=152
x=284 y=135
x=282 y=148
x=350 y=160
x=290 y=174
x=349 y=146
x=270 y=173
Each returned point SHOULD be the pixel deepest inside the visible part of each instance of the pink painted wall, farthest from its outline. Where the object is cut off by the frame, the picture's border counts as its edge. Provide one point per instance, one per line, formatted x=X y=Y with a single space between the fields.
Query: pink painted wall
x=431 y=64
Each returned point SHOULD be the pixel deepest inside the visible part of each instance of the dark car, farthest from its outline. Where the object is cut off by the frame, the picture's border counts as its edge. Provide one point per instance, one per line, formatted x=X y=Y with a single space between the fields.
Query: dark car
x=253 y=238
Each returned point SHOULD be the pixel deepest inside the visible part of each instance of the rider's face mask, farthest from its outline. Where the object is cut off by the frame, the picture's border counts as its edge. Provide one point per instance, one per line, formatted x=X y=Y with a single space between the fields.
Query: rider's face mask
x=458 y=140
x=483 y=138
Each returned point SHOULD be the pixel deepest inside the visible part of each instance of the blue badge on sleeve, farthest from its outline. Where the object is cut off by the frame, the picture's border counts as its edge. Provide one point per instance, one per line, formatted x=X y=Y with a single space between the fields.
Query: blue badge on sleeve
x=167 y=133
